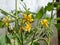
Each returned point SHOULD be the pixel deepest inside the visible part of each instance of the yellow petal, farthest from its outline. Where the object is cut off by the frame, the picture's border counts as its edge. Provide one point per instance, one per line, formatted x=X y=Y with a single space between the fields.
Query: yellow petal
x=6 y=24
x=25 y=16
x=30 y=16
x=31 y=20
x=27 y=27
x=9 y=19
x=44 y=22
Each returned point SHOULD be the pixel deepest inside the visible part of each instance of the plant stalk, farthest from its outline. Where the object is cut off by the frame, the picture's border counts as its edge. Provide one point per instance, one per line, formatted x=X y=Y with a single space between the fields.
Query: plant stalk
x=51 y=19
x=16 y=22
x=16 y=6
x=33 y=38
x=48 y=39
x=21 y=38
x=52 y=9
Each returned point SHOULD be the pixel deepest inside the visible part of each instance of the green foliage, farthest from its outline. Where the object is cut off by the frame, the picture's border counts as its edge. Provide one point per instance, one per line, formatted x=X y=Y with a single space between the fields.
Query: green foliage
x=40 y=13
x=4 y=12
x=49 y=7
x=16 y=41
x=37 y=33
x=58 y=7
x=57 y=26
x=1 y=24
x=18 y=12
x=36 y=43
x=8 y=39
x=58 y=18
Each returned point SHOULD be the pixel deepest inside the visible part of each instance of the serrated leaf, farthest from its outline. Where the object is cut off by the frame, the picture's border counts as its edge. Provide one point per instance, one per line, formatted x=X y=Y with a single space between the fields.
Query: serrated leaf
x=40 y=13
x=49 y=7
x=57 y=5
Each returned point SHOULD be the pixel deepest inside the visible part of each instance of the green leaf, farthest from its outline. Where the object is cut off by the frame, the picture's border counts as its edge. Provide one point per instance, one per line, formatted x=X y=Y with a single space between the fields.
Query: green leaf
x=58 y=7
x=49 y=7
x=3 y=12
x=58 y=26
x=40 y=13
x=58 y=18
x=6 y=13
x=7 y=39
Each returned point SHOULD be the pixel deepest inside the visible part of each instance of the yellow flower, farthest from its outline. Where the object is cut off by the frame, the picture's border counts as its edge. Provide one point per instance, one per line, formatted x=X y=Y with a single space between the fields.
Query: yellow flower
x=9 y=19
x=28 y=17
x=6 y=24
x=27 y=27
x=44 y=22
x=6 y=20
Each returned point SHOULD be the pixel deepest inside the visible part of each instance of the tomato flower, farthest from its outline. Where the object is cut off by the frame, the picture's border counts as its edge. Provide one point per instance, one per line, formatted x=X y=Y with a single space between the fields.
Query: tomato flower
x=27 y=27
x=28 y=18
x=6 y=20
x=44 y=22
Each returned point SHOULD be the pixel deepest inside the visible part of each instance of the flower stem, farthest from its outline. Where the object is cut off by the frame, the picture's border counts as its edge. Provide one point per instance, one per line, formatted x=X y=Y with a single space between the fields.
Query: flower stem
x=16 y=22
x=51 y=19
x=33 y=38
x=16 y=6
x=21 y=38
x=49 y=39
x=52 y=9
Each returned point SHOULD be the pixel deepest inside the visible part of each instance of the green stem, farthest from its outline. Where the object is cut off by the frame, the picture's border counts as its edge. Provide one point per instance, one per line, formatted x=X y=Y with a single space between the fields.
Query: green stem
x=52 y=9
x=51 y=19
x=33 y=38
x=49 y=39
x=39 y=40
x=16 y=6
x=21 y=38
x=16 y=22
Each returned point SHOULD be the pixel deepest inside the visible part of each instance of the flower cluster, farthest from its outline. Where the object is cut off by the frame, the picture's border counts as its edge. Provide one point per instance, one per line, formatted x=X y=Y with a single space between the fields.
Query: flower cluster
x=23 y=25
x=27 y=19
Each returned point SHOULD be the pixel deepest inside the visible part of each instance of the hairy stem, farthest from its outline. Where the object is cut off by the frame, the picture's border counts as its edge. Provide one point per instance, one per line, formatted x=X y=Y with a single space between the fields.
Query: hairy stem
x=52 y=9
x=33 y=39
x=21 y=38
